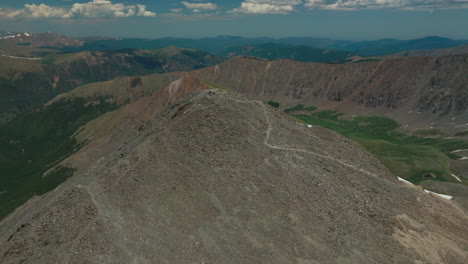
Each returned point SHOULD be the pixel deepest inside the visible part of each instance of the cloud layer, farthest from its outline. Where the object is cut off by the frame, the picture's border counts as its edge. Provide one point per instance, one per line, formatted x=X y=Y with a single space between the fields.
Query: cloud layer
x=288 y=6
x=266 y=7
x=107 y=9
x=200 y=7
x=385 y=4
x=94 y=9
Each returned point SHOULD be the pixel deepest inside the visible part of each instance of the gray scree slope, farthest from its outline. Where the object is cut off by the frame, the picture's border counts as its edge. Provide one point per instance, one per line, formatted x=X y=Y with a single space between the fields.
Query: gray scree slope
x=221 y=179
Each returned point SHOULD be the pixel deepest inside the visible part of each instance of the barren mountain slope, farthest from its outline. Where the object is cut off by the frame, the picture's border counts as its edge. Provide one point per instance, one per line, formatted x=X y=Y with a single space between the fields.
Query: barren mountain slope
x=220 y=179
x=31 y=169
x=414 y=91
x=106 y=133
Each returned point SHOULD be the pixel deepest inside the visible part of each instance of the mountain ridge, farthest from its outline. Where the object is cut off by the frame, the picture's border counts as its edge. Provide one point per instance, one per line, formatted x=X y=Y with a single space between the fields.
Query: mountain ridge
x=239 y=190
x=414 y=91
x=272 y=51
x=217 y=44
x=28 y=84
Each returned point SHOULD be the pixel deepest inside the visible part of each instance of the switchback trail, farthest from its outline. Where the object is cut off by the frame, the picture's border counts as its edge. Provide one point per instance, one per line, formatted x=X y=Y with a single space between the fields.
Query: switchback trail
x=268 y=135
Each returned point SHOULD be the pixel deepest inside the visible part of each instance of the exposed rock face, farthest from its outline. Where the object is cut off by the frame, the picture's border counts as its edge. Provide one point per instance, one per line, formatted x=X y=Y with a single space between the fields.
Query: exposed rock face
x=413 y=91
x=435 y=85
x=221 y=179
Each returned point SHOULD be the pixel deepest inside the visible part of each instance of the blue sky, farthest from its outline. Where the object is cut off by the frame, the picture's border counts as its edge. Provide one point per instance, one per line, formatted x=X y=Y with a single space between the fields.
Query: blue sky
x=337 y=19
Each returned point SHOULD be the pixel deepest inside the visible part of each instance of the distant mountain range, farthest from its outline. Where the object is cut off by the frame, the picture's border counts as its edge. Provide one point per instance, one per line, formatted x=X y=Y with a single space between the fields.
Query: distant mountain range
x=212 y=45
x=26 y=83
x=219 y=44
x=307 y=49
x=389 y=46
x=35 y=44
x=432 y=52
x=56 y=63
x=274 y=51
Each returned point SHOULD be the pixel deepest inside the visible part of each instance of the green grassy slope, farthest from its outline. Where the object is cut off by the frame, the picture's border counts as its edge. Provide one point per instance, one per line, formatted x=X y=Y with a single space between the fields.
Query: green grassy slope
x=407 y=156
x=33 y=143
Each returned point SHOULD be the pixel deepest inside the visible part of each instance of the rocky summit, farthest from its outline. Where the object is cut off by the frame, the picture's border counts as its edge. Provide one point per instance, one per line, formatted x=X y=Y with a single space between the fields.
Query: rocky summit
x=218 y=178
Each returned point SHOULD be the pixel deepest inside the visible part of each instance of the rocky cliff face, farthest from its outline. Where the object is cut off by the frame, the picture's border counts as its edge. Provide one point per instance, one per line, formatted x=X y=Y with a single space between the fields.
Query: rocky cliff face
x=434 y=87
x=218 y=178
x=416 y=90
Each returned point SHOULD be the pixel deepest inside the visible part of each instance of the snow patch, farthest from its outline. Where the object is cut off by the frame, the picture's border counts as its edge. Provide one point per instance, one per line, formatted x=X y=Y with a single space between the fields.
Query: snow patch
x=7 y=37
x=24 y=58
x=448 y=197
x=405 y=181
x=456 y=177
x=459 y=150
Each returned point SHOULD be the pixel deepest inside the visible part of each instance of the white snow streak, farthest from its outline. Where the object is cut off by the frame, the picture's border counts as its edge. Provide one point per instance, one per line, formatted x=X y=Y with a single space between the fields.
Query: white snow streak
x=405 y=181
x=456 y=177
x=448 y=197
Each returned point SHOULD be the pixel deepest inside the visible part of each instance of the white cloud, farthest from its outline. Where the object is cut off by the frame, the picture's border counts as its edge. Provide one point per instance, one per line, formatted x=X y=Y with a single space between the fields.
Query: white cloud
x=93 y=9
x=385 y=4
x=100 y=8
x=266 y=7
x=200 y=7
x=176 y=10
x=143 y=12
x=38 y=11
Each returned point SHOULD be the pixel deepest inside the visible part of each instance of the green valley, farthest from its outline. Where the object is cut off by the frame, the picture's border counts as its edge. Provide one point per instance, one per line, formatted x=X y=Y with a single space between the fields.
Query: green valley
x=415 y=158
x=33 y=144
